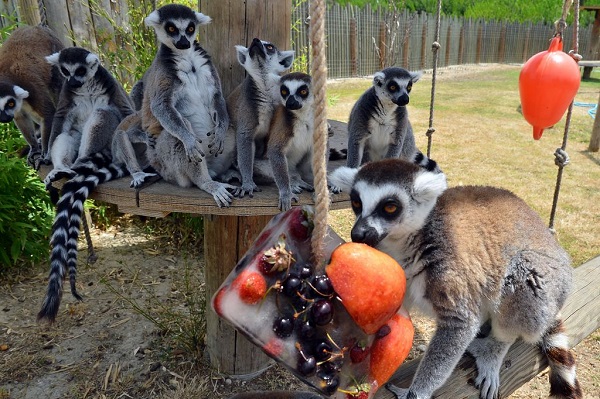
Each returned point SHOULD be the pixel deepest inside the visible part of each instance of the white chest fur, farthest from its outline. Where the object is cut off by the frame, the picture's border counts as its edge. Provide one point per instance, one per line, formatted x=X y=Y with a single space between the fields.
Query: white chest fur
x=194 y=98
x=302 y=142
x=382 y=127
x=89 y=98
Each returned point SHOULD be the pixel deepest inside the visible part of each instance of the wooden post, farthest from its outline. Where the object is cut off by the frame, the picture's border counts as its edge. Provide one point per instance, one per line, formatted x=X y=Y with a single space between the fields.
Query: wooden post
x=461 y=45
x=29 y=12
x=595 y=139
x=526 y=46
x=423 y=44
x=479 y=42
x=593 y=53
x=448 y=48
x=406 y=45
x=226 y=240
x=353 y=41
x=502 y=44
x=237 y=22
x=57 y=17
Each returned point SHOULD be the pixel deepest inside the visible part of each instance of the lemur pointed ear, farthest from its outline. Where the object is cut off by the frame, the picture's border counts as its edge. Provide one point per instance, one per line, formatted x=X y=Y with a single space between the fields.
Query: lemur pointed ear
x=378 y=78
x=428 y=186
x=202 y=18
x=343 y=177
x=415 y=76
x=20 y=92
x=242 y=54
x=286 y=58
x=153 y=19
x=53 y=58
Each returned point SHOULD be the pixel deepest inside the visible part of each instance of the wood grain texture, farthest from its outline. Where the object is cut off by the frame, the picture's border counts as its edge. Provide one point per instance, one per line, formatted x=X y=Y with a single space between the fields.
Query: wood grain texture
x=523 y=361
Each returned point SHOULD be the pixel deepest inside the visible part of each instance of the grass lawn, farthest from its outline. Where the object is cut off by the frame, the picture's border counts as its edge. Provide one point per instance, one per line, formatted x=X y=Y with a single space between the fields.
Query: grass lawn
x=481 y=139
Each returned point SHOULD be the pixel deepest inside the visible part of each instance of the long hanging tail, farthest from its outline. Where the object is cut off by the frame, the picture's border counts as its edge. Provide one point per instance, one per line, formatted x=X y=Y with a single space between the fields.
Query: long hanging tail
x=65 y=230
x=563 y=381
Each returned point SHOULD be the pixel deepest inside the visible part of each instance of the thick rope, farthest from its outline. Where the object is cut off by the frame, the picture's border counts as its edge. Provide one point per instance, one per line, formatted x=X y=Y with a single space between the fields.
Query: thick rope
x=42 y=9
x=561 y=157
x=319 y=81
x=435 y=47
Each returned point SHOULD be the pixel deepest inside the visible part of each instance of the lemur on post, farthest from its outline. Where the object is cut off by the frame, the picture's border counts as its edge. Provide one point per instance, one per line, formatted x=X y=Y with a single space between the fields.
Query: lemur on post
x=91 y=106
x=472 y=255
x=183 y=108
x=378 y=126
x=252 y=104
x=30 y=86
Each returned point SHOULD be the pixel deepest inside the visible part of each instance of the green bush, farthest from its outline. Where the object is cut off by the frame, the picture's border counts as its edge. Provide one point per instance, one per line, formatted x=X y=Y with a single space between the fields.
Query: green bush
x=26 y=212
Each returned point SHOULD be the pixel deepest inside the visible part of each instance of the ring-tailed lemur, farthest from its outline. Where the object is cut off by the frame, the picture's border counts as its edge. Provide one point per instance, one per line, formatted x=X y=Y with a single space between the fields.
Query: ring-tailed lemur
x=183 y=108
x=91 y=106
x=29 y=86
x=378 y=126
x=471 y=255
x=252 y=103
x=290 y=140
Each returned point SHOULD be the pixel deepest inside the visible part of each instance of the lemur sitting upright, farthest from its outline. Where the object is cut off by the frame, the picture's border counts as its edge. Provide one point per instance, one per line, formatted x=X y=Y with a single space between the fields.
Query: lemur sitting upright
x=183 y=108
x=91 y=106
x=471 y=255
x=379 y=127
x=30 y=86
x=252 y=104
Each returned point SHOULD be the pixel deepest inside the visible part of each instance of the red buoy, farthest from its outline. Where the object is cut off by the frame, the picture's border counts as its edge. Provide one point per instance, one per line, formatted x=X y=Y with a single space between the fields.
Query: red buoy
x=547 y=85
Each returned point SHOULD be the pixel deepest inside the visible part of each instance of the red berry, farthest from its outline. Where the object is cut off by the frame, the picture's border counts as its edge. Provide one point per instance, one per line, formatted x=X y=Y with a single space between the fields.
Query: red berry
x=216 y=301
x=358 y=353
x=358 y=395
x=251 y=286
x=299 y=226
x=274 y=347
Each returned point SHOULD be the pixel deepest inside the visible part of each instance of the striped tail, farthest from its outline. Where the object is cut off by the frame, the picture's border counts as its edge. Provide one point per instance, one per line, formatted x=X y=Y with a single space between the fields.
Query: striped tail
x=95 y=170
x=426 y=162
x=563 y=381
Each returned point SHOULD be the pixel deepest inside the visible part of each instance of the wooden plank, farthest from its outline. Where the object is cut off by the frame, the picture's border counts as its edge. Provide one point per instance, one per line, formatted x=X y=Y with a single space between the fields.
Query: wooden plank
x=29 y=12
x=57 y=16
x=523 y=361
x=81 y=23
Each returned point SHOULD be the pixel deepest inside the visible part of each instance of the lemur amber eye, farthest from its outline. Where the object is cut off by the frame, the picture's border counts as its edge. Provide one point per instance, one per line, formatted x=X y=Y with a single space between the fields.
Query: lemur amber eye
x=171 y=29
x=269 y=47
x=393 y=88
x=390 y=208
x=304 y=92
x=11 y=103
x=80 y=71
x=409 y=87
x=284 y=92
x=356 y=204
x=191 y=29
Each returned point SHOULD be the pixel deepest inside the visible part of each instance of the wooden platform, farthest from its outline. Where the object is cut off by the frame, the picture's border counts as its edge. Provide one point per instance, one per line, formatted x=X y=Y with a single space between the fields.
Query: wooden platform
x=161 y=198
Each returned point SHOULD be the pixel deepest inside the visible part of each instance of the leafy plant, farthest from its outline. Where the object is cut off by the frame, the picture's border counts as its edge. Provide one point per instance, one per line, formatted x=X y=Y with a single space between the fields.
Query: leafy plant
x=26 y=212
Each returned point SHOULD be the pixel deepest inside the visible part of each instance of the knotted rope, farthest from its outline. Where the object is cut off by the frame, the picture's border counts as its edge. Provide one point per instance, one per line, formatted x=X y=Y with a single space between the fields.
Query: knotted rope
x=561 y=157
x=319 y=80
x=435 y=47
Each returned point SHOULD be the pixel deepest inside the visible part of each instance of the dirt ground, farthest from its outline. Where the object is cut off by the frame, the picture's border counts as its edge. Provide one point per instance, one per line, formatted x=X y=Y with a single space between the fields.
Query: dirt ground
x=104 y=347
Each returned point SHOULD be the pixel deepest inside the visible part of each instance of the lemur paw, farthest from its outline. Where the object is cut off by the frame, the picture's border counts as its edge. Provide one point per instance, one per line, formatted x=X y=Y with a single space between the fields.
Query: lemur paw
x=334 y=189
x=221 y=192
x=194 y=151
x=400 y=393
x=138 y=178
x=247 y=188
x=34 y=159
x=216 y=145
x=285 y=201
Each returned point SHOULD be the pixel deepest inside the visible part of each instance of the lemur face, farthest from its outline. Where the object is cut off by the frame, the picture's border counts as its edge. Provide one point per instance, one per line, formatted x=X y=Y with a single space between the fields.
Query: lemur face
x=175 y=25
x=76 y=64
x=395 y=84
x=11 y=101
x=295 y=91
x=391 y=197
x=263 y=56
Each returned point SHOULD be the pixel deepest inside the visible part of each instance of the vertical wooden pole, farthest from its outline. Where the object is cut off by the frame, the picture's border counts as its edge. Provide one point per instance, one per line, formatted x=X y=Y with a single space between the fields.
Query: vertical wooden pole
x=527 y=39
x=448 y=48
x=595 y=139
x=226 y=240
x=502 y=44
x=479 y=42
x=461 y=44
x=236 y=22
x=593 y=53
x=57 y=17
x=406 y=45
x=423 y=44
x=29 y=12
x=382 y=44
x=353 y=40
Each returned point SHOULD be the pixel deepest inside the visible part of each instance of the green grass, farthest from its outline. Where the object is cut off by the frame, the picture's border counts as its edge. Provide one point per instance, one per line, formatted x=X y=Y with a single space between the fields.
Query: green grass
x=481 y=139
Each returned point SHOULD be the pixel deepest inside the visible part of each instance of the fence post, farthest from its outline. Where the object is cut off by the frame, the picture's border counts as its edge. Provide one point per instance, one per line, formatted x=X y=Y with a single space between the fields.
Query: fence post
x=353 y=40
x=502 y=43
x=595 y=139
x=526 y=47
x=29 y=12
x=448 y=46
x=424 y=43
x=461 y=44
x=479 y=42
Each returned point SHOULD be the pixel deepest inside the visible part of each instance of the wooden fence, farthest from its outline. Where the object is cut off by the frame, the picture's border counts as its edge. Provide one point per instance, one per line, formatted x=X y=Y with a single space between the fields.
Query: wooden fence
x=359 y=41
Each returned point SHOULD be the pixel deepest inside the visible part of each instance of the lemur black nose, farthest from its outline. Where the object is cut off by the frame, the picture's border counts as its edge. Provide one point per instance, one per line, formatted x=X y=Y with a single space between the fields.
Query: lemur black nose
x=183 y=43
x=74 y=83
x=402 y=100
x=257 y=48
x=4 y=118
x=292 y=103
x=365 y=234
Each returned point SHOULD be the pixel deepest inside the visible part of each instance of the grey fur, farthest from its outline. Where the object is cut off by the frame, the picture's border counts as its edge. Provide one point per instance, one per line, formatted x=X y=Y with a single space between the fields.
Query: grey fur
x=92 y=103
x=29 y=86
x=378 y=126
x=471 y=254
x=252 y=104
x=183 y=108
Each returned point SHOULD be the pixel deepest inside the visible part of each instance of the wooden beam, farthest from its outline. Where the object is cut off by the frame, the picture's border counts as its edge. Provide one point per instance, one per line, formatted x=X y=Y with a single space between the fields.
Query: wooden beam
x=523 y=361
x=595 y=138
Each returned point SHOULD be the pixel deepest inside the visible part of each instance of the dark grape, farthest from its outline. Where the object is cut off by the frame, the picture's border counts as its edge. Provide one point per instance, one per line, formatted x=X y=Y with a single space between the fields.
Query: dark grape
x=291 y=286
x=331 y=385
x=301 y=270
x=331 y=367
x=323 y=350
x=322 y=285
x=306 y=365
x=283 y=327
x=321 y=312
x=305 y=329
x=383 y=331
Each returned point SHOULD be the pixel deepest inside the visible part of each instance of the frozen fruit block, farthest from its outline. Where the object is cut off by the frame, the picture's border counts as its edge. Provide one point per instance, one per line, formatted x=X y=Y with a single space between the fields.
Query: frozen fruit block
x=336 y=327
